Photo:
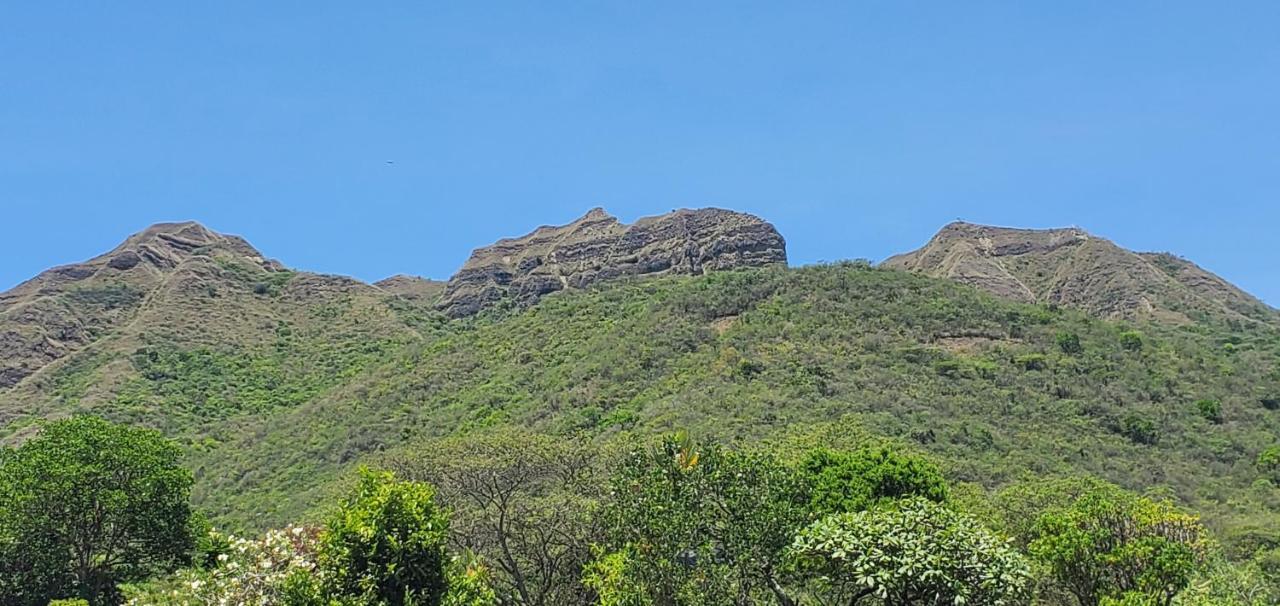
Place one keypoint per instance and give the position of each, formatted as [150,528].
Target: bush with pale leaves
[269,570]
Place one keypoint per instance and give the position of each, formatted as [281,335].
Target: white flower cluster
[251,573]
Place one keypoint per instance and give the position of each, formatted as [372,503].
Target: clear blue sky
[858,128]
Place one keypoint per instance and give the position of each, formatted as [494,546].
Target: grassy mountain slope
[986,384]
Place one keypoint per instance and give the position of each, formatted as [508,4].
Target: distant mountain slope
[1072,267]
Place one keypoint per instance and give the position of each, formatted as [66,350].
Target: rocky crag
[1072,267]
[598,247]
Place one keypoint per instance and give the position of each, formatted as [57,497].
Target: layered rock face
[598,247]
[1072,267]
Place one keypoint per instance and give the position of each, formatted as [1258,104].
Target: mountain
[76,337]
[1072,267]
[279,382]
[67,308]
[598,247]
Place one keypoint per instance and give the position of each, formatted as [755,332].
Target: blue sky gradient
[858,128]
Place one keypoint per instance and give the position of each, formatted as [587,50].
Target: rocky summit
[598,247]
[1069,266]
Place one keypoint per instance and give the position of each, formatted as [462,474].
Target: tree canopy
[88,504]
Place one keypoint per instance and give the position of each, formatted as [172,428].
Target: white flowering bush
[279,568]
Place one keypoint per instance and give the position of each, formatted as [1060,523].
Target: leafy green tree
[1105,542]
[88,504]
[700,526]
[386,543]
[913,552]
[842,481]
[1269,463]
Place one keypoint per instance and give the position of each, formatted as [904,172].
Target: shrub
[279,568]
[1032,362]
[1140,430]
[1268,463]
[1069,343]
[1106,542]
[386,542]
[948,368]
[1210,409]
[1131,340]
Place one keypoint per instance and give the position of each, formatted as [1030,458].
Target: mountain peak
[598,247]
[1071,267]
[166,245]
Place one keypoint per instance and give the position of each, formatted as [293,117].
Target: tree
[525,502]
[1102,541]
[88,504]
[1069,343]
[386,544]
[914,552]
[1269,463]
[853,481]
[700,526]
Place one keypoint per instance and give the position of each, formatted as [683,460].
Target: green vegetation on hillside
[984,384]
[995,391]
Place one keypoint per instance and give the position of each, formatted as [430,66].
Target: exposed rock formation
[1071,267]
[598,247]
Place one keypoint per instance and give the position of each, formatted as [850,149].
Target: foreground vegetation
[99,511]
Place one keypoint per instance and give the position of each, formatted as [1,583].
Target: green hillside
[997,390]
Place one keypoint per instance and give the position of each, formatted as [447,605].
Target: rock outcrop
[598,247]
[1074,268]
